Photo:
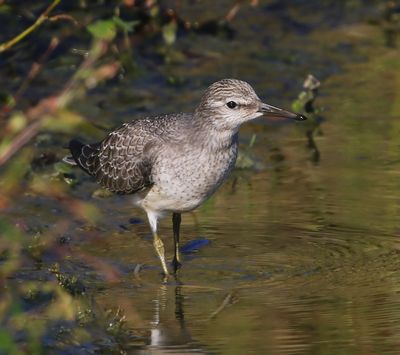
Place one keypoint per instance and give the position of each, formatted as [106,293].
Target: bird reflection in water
[169,333]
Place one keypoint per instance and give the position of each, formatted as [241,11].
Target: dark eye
[231,104]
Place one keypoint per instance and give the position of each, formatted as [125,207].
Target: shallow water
[302,256]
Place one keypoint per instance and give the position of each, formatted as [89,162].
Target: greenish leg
[159,246]
[157,242]
[176,223]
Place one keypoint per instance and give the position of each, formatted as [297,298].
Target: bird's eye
[231,104]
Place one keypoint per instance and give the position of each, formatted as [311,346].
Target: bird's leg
[157,242]
[176,223]
[159,246]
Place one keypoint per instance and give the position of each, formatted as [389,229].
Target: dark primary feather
[83,153]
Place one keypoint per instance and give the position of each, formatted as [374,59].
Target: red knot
[173,163]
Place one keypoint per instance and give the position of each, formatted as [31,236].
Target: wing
[120,162]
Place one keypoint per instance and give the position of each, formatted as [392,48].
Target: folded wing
[120,162]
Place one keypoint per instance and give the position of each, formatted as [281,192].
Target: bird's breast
[185,178]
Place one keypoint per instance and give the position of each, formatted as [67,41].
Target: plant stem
[42,18]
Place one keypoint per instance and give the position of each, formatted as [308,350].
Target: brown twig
[236,7]
[42,18]
[87,63]
[50,105]
[25,136]
[64,17]
[233,11]
[228,300]
[33,72]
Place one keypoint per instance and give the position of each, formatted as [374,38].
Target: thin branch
[26,135]
[33,72]
[50,105]
[228,300]
[233,11]
[66,17]
[236,7]
[42,18]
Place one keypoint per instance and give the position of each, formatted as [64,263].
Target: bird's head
[229,102]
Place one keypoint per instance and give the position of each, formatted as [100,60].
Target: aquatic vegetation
[305,103]
[391,23]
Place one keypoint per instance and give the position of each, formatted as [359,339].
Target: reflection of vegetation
[391,22]
[305,104]
[245,160]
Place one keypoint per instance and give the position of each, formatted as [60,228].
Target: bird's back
[122,162]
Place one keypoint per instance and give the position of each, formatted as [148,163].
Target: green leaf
[5,9]
[125,26]
[169,32]
[103,29]
[17,122]
[62,168]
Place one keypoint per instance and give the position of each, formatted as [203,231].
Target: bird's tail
[83,155]
[68,159]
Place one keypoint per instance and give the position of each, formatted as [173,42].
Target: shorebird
[172,163]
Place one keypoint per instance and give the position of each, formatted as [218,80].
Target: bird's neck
[221,140]
[214,136]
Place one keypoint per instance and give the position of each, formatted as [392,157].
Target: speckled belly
[183,184]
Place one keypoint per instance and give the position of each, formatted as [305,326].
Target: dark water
[301,257]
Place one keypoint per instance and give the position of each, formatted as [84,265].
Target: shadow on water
[298,252]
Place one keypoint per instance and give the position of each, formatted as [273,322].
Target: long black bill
[273,112]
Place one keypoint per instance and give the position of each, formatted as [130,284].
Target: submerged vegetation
[67,69]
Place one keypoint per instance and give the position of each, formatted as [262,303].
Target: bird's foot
[176,264]
[165,278]
[165,273]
